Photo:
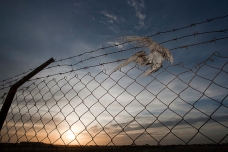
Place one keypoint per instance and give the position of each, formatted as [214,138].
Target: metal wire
[14,78]
[176,106]
[9,84]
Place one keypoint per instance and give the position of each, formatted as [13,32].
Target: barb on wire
[8,84]
[195,34]
[116,45]
[194,44]
[181,47]
[158,33]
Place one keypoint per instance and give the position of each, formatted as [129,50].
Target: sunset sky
[76,107]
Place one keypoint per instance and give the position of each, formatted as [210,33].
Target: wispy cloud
[111,17]
[109,20]
[138,6]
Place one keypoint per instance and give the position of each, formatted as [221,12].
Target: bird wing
[142,41]
[133,58]
[152,45]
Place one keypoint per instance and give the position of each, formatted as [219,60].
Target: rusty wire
[102,106]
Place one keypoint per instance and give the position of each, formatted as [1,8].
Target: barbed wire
[158,33]
[121,51]
[195,34]
[120,44]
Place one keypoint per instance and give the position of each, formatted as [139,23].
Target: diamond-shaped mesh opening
[156,107]
[145,118]
[206,105]
[134,108]
[169,118]
[220,115]
[172,140]
[190,95]
[114,108]
[90,100]
[158,131]
[116,90]
[92,85]
[216,92]
[199,83]
[167,96]
[87,118]
[104,118]
[174,106]
[155,87]
[133,130]
[142,97]
[102,138]
[210,130]
[136,73]
[185,131]
[196,118]
[165,77]
[177,85]
[125,81]
[100,78]
[186,76]
[108,83]
[125,98]
[134,88]
[99,92]
[81,109]
[97,109]
[123,118]
[180,107]
[208,72]
[71,94]
[106,100]
[122,139]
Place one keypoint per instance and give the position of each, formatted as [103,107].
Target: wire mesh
[177,106]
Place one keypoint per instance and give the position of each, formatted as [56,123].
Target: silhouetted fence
[178,105]
[175,109]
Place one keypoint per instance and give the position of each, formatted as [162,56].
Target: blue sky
[34,31]
[31,32]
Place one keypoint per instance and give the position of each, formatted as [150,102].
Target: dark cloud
[115,128]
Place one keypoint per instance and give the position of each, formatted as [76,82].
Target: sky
[31,32]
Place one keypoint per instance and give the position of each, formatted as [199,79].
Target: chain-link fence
[81,107]
[185,108]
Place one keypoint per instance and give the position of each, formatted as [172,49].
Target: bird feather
[154,59]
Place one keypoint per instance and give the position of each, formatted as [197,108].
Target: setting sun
[71,136]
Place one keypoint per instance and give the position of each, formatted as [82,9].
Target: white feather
[154,59]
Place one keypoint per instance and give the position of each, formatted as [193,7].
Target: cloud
[111,17]
[109,20]
[158,131]
[138,6]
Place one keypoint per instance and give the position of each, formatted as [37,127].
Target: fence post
[13,90]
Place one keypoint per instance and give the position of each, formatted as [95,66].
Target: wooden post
[13,90]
